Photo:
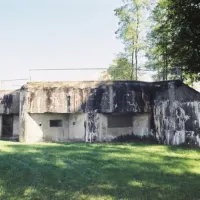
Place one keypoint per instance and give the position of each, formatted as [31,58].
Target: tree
[175,38]
[120,69]
[160,41]
[185,49]
[131,30]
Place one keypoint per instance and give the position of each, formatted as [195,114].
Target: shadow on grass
[97,171]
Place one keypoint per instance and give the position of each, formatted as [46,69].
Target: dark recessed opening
[56,123]
[119,121]
[7,125]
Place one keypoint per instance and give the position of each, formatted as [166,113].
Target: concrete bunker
[102,111]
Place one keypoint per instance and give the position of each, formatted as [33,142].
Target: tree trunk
[163,71]
[132,65]
[136,65]
[166,63]
[137,38]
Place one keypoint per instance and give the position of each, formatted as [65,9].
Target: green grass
[98,171]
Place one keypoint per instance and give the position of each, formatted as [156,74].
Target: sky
[56,34]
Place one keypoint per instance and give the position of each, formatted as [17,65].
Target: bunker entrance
[7,125]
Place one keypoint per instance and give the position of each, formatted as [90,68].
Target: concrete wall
[117,126]
[41,124]
[177,123]
[92,99]
[37,128]
[142,124]
[16,125]
[177,116]
[73,97]
[79,127]
[103,128]
[9,102]
[77,131]
[23,116]
[68,98]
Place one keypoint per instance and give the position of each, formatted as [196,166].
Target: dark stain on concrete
[7,102]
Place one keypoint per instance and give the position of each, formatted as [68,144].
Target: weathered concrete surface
[23,117]
[75,127]
[77,130]
[177,115]
[39,126]
[92,99]
[15,125]
[142,124]
[169,111]
[9,102]
[103,97]
[79,127]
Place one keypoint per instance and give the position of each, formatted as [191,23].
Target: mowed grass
[98,171]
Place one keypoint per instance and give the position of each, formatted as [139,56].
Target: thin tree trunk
[166,64]
[164,60]
[132,65]
[136,64]
[136,48]
[163,71]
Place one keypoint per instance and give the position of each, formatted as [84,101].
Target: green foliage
[131,23]
[131,26]
[160,41]
[98,171]
[175,38]
[185,18]
[121,69]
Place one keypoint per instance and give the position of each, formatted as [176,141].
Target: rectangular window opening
[7,125]
[119,121]
[56,123]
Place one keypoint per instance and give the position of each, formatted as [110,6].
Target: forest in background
[160,36]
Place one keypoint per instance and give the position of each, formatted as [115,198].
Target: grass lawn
[98,171]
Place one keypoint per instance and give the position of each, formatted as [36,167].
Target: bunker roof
[91,84]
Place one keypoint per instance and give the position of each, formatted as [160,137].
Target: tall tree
[185,49]
[131,29]
[177,32]
[160,41]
